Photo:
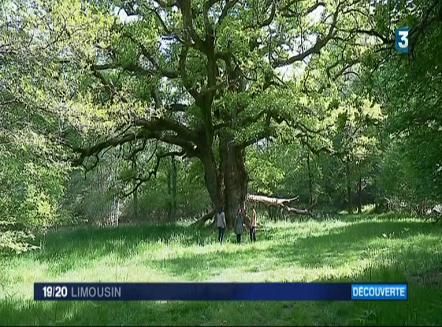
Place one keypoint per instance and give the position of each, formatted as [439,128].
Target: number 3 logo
[401,39]
[404,39]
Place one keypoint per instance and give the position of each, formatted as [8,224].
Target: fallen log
[434,213]
[279,202]
[204,218]
[267,200]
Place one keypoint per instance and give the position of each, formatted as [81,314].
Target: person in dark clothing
[239,225]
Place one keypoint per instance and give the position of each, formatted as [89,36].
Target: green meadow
[368,249]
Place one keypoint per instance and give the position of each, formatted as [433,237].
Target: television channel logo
[401,39]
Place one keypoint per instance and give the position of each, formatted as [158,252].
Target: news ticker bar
[218,291]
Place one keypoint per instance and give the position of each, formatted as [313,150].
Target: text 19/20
[57,291]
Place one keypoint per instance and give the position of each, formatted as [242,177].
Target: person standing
[239,225]
[253,224]
[220,220]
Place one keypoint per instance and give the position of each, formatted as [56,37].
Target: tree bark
[212,178]
[233,172]
[226,182]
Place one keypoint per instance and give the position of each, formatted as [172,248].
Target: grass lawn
[356,249]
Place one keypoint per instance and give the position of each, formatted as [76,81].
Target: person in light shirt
[220,221]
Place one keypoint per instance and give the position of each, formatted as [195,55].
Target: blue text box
[192,291]
[379,291]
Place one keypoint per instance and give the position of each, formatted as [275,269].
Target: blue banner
[194,291]
[379,291]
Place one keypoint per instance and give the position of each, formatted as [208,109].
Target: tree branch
[229,5]
[268,131]
[189,30]
[163,124]
[182,66]
[112,142]
[148,56]
[137,150]
[166,3]
[153,172]
[315,6]
[166,29]
[151,129]
[320,43]
[384,39]
[269,20]
[416,31]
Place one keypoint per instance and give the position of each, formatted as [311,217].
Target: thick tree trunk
[234,176]
[212,178]
[226,183]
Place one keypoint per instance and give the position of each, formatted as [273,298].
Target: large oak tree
[204,77]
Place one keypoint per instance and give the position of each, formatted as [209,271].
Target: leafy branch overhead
[215,66]
[202,79]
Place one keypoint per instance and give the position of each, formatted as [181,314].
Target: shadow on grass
[341,246]
[348,243]
[64,250]
[422,308]
[337,247]
[387,216]
[96,313]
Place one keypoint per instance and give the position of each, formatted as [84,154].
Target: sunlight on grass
[353,249]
